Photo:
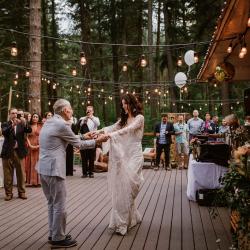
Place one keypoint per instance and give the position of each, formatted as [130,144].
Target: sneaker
[8,197]
[63,243]
[22,196]
[67,237]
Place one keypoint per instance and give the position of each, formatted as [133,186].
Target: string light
[143,61]
[230,48]
[241,55]
[54,86]
[185,89]
[244,48]
[99,96]
[15,82]
[82,103]
[88,102]
[215,108]
[105,102]
[215,85]
[232,107]
[127,92]
[16,75]
[89,89]
[83,60]
[74,72]
[156,90]
[48,81]
[49,103]
[167,92]
[196,57]
[17,95]
[147,92]
[13,50]
[102,90]
[125,67]
[248,22]
[179,61]
[27,73]
[122,91]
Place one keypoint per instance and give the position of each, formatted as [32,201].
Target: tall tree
[35,56]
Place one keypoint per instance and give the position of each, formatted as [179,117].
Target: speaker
[247,101]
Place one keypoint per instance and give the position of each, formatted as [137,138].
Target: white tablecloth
[1,164]
[203,175]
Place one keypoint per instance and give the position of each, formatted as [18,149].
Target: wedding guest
[101,161]
[181,132]
[163,132]
[215,124]
[86,124]
[70,149]
[47,116]
[125,165]
[194,125]
[54,138]
[27,116]
[32,178]
[13,153]
[206,125]
[223,129]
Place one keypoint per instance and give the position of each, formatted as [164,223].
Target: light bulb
[13,50]
[74,72]
[196,57]
[89,89]
[15,82]
[122,91]
[179,61]
[230,48]
[143,61]
[83,60]
[27,73]
[125,67]
[244,49]
[241,54]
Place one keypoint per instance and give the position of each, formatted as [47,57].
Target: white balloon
[189,57]
[180,79]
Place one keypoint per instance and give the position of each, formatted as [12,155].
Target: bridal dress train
[125,173]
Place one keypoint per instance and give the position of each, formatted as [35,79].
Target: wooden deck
[170,221]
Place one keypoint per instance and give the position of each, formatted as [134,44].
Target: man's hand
[89,135]
[102,138]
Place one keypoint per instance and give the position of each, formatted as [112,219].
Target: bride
[125,165]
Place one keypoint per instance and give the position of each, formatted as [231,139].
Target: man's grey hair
[59,105]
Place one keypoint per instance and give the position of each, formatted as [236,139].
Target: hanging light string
[110,94]
[117,44]
[59,76]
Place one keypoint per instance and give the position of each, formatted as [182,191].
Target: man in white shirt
[88,123]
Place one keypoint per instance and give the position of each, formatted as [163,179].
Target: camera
[19,116]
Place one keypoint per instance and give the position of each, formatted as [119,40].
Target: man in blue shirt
[163,132]
[194,125]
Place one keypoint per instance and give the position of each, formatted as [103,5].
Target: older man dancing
[55,135]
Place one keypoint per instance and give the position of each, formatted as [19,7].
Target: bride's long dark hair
[134,106]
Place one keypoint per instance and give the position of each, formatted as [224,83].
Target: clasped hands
[97,136]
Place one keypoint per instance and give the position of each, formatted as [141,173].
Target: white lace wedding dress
[125,173]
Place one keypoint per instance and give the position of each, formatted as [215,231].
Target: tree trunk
[45,87]
[169,60]
[35,56]
[115,57]
[85,37]
[54,51]
[154,106]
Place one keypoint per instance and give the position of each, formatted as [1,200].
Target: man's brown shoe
[22,196]
[8,197]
